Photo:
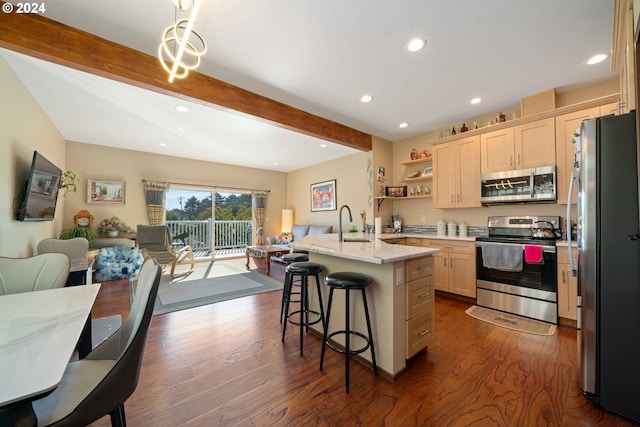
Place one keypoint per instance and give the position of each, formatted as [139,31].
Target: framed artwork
[323,196]
[104,191]
[427,171]
[381,175]
[400,191]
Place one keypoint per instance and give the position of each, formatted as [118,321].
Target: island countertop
[374,250]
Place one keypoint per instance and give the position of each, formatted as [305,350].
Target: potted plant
[83,221]
[79,231]
[69,182]
[113,226]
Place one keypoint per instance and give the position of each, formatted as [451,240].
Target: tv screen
[41,191]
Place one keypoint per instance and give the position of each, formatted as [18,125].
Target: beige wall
[97,162]
[353,188]
[23,128]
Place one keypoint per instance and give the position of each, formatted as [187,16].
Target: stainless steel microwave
[519,186]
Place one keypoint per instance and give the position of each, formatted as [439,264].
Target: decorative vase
[112,233]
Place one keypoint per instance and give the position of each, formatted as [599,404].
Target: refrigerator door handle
[633,237]
[572,264]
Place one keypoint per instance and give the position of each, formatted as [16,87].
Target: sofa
[298,231]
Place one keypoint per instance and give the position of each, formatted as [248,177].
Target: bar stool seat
[287,290]
[348,281]
[302,270]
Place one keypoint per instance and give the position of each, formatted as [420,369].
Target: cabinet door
[535,144]
[467,158]
[609,109]
[462,274]
[441,271]
[496,151]
[566,125]
[567,293]
[443,176]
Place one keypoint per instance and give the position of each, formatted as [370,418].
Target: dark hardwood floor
[224,365]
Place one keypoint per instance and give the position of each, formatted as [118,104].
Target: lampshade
[287,220]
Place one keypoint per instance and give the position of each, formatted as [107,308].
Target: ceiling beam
[52,41]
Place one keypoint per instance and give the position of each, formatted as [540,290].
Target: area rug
[209,283]
[511,321]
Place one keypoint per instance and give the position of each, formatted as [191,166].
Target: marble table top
[38,334]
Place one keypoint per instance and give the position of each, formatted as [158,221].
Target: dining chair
[101,383]
[36,273]
[155,242]
[75,248]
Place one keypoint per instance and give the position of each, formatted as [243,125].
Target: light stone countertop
[564,243]
[373,251]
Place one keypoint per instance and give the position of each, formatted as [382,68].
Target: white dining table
[38,334]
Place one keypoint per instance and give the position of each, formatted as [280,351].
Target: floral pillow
[284,238]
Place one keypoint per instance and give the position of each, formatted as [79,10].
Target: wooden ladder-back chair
[155,242]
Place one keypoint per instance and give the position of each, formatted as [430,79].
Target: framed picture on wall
[323,196]
[105,191]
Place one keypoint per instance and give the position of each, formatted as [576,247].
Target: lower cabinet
[419,310]
[567,285]
[454,266]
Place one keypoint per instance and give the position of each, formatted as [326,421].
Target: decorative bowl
[112,233]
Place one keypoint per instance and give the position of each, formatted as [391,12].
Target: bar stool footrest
[344,350]
[304,323]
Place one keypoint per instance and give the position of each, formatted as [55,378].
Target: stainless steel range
[516,266]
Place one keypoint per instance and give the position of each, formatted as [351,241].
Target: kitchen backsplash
[431,229]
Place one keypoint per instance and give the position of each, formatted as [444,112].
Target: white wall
[23,128]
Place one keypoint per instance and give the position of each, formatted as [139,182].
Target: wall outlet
[422,219]
[399,276]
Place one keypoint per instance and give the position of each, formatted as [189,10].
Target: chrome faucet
[340,221]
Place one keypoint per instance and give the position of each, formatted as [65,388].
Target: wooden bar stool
[348,282]
[302,270]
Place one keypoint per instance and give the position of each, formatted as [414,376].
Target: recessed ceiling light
[182,108]
[597,59]
[323,145]
[275,163]
[403,125]
[476,100]
[366,98]
[162,144]
[416,44]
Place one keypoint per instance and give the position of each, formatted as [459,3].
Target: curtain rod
[208,186]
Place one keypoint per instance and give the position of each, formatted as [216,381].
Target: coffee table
[266,252]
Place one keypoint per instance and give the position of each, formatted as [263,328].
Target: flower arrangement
[114,224]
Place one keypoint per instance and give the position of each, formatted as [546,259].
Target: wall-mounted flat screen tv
[41,191]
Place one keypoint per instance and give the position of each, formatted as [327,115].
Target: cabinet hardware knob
[423,333]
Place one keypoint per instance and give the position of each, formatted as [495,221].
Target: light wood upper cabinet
[520,147]
[608,109]
[566,125]
[456,174]
[497,151]
[535,144]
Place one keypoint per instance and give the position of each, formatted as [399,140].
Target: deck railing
[228,234]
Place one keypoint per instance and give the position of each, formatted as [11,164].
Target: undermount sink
[356,239]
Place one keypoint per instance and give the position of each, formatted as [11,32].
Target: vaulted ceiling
[316,58]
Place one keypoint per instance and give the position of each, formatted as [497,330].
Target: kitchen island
[399,273]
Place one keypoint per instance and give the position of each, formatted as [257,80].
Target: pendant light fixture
[177,54]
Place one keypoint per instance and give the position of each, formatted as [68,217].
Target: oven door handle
[547,249]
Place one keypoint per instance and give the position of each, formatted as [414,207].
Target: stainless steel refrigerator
[608,265]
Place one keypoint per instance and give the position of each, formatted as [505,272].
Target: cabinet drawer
[417,268]
[419,332]
[563,254]
[419,296]
[454,246]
